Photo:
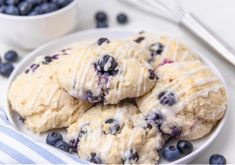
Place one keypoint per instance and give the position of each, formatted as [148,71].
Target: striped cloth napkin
[15,147]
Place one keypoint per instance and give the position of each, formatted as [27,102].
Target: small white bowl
[200,145]
[28,32]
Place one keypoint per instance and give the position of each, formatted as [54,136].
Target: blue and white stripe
[15,147]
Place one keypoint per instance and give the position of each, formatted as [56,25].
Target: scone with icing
[107,71]
[37,97]
[189,100]
[115,134]
[162,49]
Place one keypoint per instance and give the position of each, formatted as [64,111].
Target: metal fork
[175,11]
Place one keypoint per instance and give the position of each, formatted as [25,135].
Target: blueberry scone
[188,98]
[37,97]
[162,49]
[107,71]
[115,134]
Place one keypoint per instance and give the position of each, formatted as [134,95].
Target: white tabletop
[216,13]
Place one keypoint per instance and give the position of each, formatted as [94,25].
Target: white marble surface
[216,13]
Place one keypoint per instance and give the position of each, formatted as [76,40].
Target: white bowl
[199,145]
[28,32]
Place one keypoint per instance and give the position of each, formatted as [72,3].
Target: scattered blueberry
[156,49]
[113,126]
[217,159]
[83,131]
[171,153]
[103,40]
[130,157]
[62,145]
[11,10]
[2,8]
[167,98]
[107,65]
[6,69]
[185,147]
[155,118]
[73,144]
[152,75]
[94,159]
[53,137]
[139,39]
[101,16]
[122,18]
[11,56]
[101,25]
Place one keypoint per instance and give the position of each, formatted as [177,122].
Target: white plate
[199,145]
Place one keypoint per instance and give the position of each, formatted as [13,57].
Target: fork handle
[210,37]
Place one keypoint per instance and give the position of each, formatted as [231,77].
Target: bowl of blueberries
[26,24]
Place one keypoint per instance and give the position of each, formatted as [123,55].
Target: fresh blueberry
[101,25]
[130,157]
[122,18]
[184,147]
[171,153]
[11,56]
[34,2]
[113,127]
[12,2]
[217,159]
[2,2]
[94,159]
[25,7]
[62,145]
[2,8]
[33,13]
[53,137]
[62,3]
[139,39]
[156,49]
[11,10]
[45,8]
[52,7]
[6,69]
[107,65]
[92,98]
[103,40]
[73,144]
[101,16]
[167,98]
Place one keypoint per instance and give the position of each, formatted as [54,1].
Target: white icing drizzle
[140,82]
[51,95]
[184,55]
[176,51]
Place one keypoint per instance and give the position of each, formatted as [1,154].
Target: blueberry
[171,153]
[62,145]
[44,8]
[2,9]
[130,157]
[34,2]
[2,2]
[11,56]
[122,18]
[101,16]
[101,25]
[107,65]
[73,144]
[94,159]
[62,3]
[12,2]
[83,131]
[25,7]
[33,13]
[167,98]
[47,60]
[53,137]
[152,75]
[92,98]
[6,69]
[184,147]
[154,118]
[103,40]
[11,10]
[156,49]
[139,39]
[176,131]
[217,159]
[112,127]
